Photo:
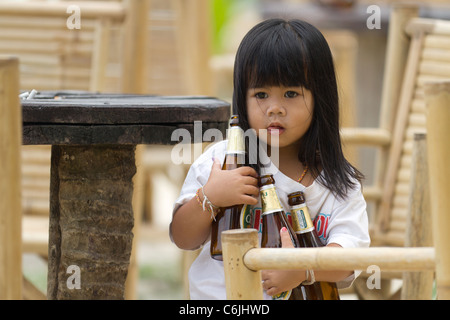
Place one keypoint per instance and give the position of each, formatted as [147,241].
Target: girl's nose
[276,108]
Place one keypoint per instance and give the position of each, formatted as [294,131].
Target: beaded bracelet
[309,274]
[206,204]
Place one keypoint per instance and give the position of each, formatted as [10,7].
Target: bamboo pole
[326,258]
[135,56]
[366,136]
[401,120]
[88,9]
[419,285]
[10,198]
[241,282]
[437,97]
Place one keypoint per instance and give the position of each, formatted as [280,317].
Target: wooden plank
[10,199]
[120,109]
[122,134]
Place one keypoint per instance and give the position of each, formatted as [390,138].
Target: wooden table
[93,138]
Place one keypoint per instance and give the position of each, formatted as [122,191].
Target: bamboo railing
[243,260]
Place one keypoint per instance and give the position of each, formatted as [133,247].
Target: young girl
[285,90]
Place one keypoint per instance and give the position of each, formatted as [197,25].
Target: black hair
[295,53]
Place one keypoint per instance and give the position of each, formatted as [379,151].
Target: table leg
[91,221]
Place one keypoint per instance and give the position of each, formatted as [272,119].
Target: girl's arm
[278,281]
[191,225]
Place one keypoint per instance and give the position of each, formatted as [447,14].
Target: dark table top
[92,118]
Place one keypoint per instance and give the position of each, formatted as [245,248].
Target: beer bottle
[307,237]
[273,219]
[229,217]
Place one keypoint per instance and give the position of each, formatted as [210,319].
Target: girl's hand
[278,281]
[226,188]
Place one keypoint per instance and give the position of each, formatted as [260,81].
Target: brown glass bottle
[273,219]
[307,237]
[229,217]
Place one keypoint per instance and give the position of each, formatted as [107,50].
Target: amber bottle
[273,219]
[229,217]
[307,237]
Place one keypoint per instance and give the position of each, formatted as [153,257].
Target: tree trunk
[91,221]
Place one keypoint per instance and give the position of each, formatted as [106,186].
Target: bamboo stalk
[10,199]
[366,136]
[437,97]
[135,57]
[386,258]
[241,282]
[396,60]
[88,8]
[418,285]
[395,150]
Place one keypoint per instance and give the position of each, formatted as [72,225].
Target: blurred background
[173,47]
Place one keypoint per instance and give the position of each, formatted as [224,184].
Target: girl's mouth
[275,129]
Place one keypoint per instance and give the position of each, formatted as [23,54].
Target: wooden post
[10,181]
[241,282]
[437,97]
[419,285]
[135,56]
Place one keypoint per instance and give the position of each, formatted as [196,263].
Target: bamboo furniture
[243,260]
[417,52]
[403,113]
[103,54]
[242,257]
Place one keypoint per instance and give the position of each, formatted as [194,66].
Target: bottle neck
[235,140]
[269,198]
[301,219]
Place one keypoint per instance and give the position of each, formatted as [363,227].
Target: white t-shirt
[338,221]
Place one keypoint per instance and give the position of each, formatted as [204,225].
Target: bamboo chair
[54,56]
[427,42]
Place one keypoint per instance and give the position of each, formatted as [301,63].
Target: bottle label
[301,219]
[246,217]
[282,296]
[270,200]
[235,141]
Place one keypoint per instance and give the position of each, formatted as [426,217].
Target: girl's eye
[261,95]
[290,94]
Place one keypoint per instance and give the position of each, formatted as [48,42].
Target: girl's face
[284,112]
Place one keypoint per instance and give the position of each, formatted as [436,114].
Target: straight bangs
[278,58]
